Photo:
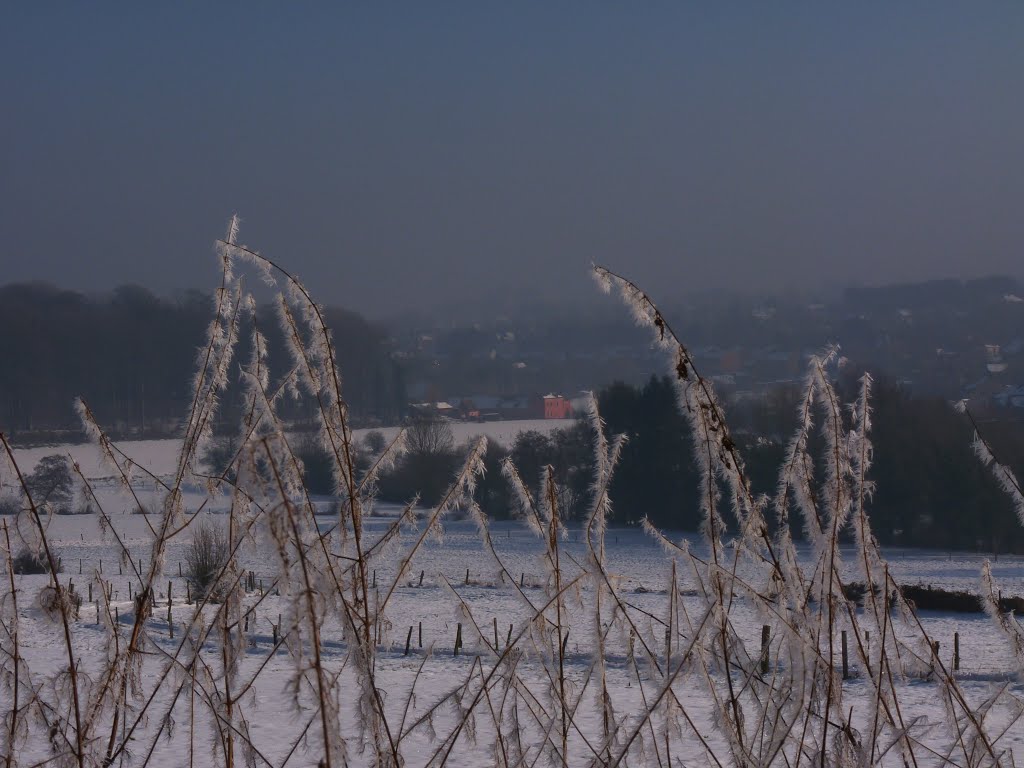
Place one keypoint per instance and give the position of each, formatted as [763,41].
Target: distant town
[492,408]
[954,339]
[959,340]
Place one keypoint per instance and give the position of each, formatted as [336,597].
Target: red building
[557,407]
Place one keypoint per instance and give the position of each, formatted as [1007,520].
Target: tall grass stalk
[590,673]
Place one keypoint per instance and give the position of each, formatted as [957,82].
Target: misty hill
[131,355]
[935,337]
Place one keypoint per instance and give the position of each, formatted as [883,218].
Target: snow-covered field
[640,565]
[459,584]
[434,605]
[160,456]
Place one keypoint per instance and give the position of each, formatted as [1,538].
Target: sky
[411,156]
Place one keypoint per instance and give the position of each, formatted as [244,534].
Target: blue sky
[410,155]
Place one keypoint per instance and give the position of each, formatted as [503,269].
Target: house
[557,407]
[438,409]
[491,408]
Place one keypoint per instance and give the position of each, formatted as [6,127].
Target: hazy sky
[411,154]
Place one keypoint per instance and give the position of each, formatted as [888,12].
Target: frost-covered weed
[542,694]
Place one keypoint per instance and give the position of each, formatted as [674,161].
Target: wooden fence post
[846,663]
[766,632]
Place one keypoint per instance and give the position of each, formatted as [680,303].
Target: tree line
[931,490]
[130,354]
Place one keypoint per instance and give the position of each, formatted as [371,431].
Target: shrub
[427,466]
[9,505]
[50,482]
[375,442]
[219,454]
[205,557]
[27,562]
[317,466]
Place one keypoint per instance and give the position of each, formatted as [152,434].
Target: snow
[503,432]
[436,602]
[160,456]
[641,567]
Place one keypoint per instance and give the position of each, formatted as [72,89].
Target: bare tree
[429,436]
